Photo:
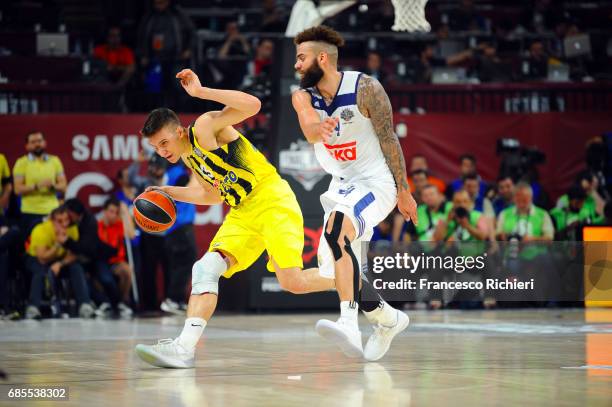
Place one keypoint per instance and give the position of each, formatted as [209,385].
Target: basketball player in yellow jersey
[264,212]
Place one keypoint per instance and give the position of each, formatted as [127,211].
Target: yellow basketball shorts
[270,219]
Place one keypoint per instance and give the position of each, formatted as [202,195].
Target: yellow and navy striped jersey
[234,169]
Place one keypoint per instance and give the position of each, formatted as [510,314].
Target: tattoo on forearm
[373,102]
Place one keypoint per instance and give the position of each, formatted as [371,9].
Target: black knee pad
[332,237]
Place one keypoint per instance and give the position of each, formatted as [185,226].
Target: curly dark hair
[321,33]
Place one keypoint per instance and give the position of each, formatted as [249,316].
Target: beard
[38,151]
[312,75]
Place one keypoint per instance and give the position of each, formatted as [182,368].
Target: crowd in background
[58,259]
[513,208]
[144,44]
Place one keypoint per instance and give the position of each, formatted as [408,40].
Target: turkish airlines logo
[343,152]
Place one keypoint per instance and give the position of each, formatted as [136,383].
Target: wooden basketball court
[530,357]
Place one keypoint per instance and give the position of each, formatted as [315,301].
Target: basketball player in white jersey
[349,119]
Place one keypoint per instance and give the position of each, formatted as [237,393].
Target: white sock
[385,315]
[349,310]
[191,333]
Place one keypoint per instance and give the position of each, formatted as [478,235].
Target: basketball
[154,211]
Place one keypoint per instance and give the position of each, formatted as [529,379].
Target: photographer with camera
[569,219]
[463,223]
[465,230]
[593,201]
[524,220]
[526,227]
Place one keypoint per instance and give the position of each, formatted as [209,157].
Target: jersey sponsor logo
[343,152]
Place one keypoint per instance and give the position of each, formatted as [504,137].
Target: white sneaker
[171,307]
[125,311]
[104,310]
[86,311]
[32,312]
[167,353]
[343,333]
[379,342]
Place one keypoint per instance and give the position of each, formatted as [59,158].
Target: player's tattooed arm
[373,102]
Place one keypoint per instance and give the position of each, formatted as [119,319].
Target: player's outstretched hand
[407,206]
[189,81]
[327,127]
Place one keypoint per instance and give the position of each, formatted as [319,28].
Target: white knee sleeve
[206,272]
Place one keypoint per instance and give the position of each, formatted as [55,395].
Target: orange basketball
[154,211]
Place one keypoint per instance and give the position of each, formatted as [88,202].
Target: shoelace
[165,344]
[380,330]
[170,345]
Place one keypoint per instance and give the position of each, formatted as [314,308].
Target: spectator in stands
[433,210]
[6,184]
[567,220]
[381,237]
[88,248]
[38,178]
[489,67]
[47,252]
[555,45]
[471,183]
[113,227]
[374,67]
[233,55]
[594,203]
[466,18]
[125,191]
[8,235]
[505,194]
[10,238]
[524,219]
[166,38]
[422,67]
[419,162]
[261,64]
[118,57]
[152,251]
[419,180]
[536,63]
[156,170]
[467,166]
[179,246]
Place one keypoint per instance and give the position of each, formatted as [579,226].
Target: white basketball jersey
[353,152]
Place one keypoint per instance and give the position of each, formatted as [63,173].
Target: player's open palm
[407,206]
[189,81]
